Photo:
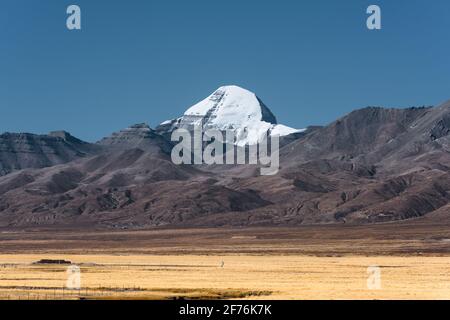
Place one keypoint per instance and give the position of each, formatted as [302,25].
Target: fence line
[64,293]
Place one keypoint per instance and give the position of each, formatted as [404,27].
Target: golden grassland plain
[264,263]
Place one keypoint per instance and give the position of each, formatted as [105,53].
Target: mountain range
[374,165]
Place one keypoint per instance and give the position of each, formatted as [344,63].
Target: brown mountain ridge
[373,165]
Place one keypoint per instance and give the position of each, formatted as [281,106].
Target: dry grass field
[265,263]
[242,276]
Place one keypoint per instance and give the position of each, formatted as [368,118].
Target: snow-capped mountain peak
[232,104]
[232,108]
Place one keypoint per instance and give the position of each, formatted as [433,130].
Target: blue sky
[147,61]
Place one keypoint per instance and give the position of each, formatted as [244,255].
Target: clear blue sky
[147,61]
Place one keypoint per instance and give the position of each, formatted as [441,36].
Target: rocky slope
[373,165]
[137,136]
[25,150]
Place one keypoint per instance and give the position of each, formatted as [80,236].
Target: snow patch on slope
[282,130]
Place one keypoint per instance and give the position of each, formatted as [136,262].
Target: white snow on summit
[234,108]
[228,101]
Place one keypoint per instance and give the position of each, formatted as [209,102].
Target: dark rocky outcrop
[24,150]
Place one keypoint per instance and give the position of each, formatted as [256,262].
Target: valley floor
[323,262]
